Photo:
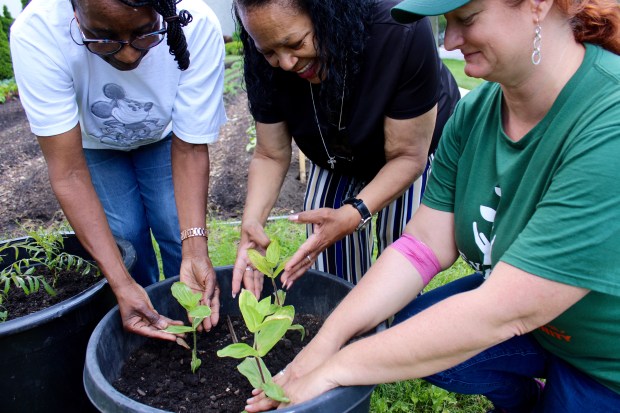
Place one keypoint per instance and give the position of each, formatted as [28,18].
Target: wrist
[195,247]
[362,209]
[194,232]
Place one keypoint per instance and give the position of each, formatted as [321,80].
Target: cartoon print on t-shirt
[127,120]
[484,241]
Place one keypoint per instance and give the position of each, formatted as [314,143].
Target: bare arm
[268,168]
[445,334]
[390,284]
[406,150]
[190,173]
[71,183]
[459,327]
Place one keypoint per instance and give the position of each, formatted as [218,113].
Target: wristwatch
[362,209]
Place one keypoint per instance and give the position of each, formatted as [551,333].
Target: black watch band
[362,209]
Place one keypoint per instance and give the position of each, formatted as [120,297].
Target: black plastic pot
[109,346]
[42,354]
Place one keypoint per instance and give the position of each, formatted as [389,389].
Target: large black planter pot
[42,354]
[109,346]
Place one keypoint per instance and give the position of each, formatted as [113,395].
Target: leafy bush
[8,88]
[234,48]
[6,19]
[233,78]
[6,67]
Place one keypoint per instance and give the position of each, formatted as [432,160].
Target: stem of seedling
[260,370]
[231,329]
[275,292]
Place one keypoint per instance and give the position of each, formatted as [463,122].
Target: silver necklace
[331,160]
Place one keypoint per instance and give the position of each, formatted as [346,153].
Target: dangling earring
[536,56]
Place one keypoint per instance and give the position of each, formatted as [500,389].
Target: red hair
[594,21]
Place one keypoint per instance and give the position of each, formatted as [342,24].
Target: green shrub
[234,48]
[6,19]
[6,67]
[8,88]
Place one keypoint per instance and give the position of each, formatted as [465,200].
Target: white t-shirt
[61,83]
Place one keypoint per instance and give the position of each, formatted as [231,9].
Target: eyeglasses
[106,47]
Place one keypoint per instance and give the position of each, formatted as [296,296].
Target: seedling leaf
[280,268]
[260,262]
[248,305]
[174,329]
[273,253]
[300,328]
[185,296]
[237,351]
[249,369]
[196,362]
[281,296]
[275,392]
[265,308]
[202,311]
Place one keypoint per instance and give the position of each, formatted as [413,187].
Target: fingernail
[293,217]
[234,295]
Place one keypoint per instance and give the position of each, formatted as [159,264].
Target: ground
[26,196]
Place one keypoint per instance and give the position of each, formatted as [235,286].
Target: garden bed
[26,196]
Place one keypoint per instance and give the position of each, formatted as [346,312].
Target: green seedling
[43,248]
[268,322]
[271,264]
[190,301]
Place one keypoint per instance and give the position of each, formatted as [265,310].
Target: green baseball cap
[411,10]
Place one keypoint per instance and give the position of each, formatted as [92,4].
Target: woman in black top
[326,74]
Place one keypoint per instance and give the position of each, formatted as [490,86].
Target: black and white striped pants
[351,257]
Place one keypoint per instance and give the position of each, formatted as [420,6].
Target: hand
[329,226]
[139,316]
[198,273]
[252,237]
[317,352]
[297,390]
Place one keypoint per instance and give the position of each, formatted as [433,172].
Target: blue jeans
[137,194]
[505,373]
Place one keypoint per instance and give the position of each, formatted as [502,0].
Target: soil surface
[27,199]
[158,374]
[68,284]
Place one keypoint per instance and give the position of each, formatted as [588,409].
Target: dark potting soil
[158,374]
[68,284]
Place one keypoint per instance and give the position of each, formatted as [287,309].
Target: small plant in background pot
[268,322]
[191,302]
[44,249]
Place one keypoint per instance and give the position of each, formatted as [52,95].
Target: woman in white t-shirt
[119,119]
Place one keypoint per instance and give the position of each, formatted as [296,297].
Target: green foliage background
[6,66]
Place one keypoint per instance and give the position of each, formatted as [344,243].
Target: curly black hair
[341,31]
[175,23]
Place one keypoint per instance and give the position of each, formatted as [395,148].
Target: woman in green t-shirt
[525,189]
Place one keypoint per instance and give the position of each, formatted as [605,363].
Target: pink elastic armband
[419,255]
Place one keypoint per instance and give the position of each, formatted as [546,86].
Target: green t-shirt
[548,204]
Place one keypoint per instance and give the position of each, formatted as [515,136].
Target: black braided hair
[341,29]
[174,33]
